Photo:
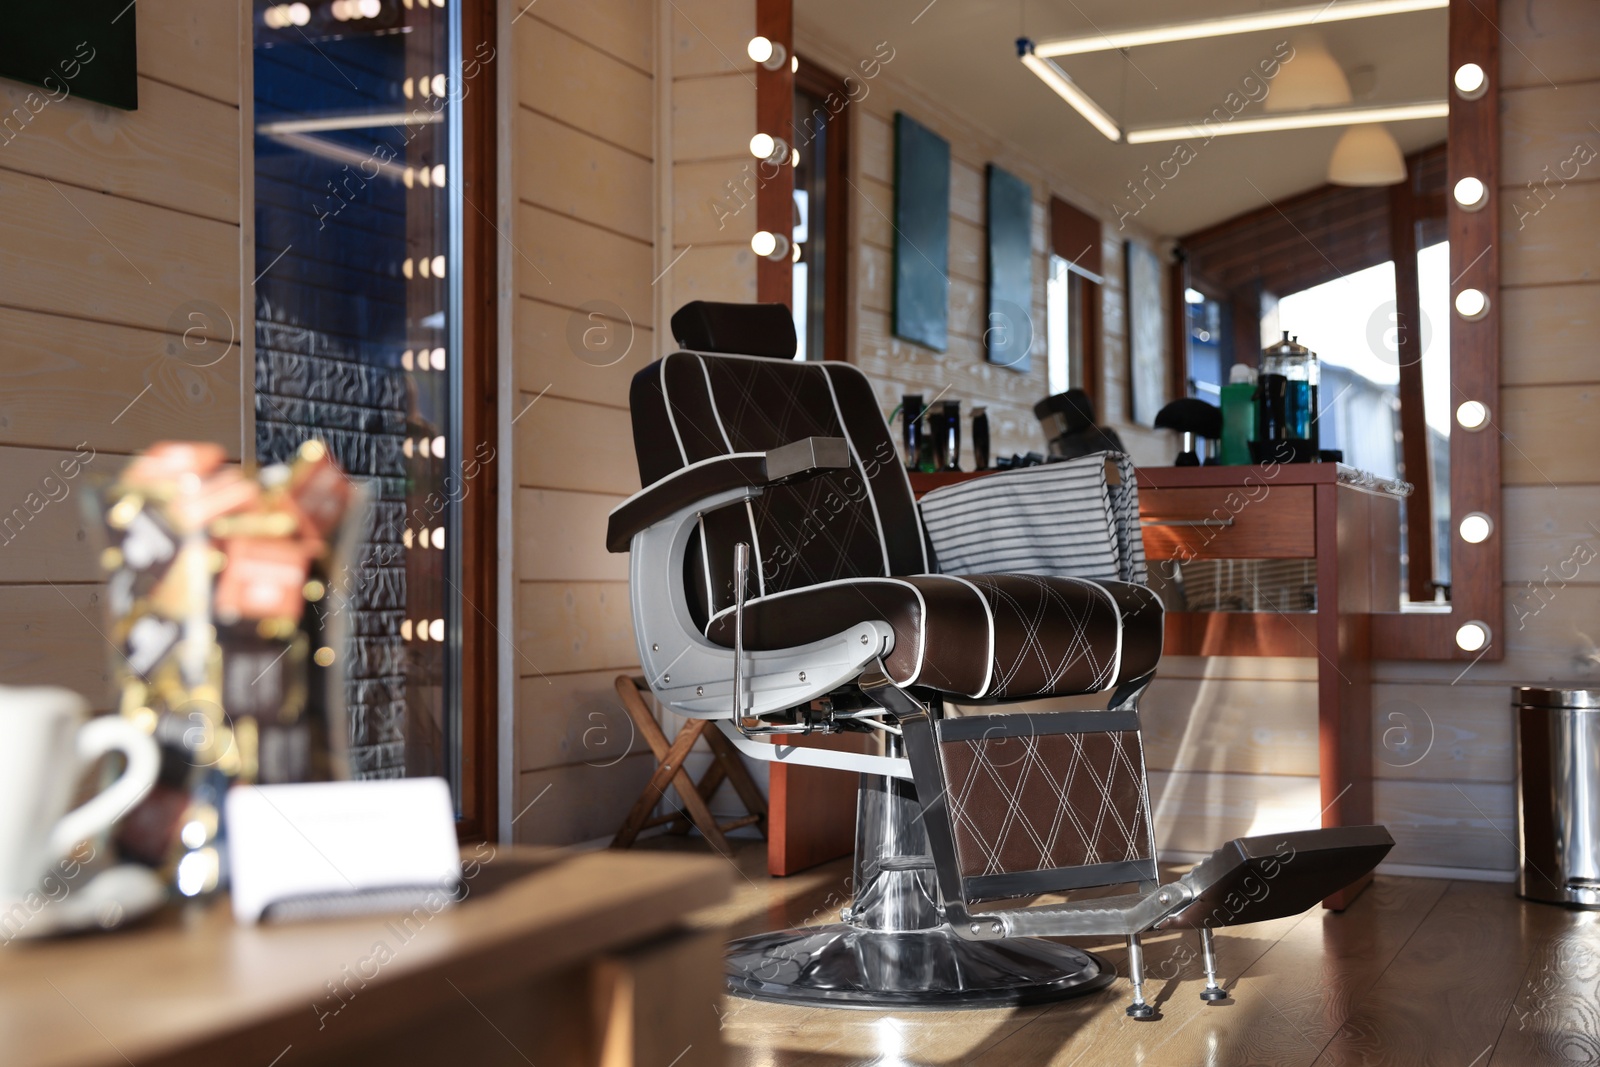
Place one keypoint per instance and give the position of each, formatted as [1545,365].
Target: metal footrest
[1252,879]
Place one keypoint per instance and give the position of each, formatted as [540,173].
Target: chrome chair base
[844,966]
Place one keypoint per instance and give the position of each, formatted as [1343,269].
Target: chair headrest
[736,329]
[1074,407]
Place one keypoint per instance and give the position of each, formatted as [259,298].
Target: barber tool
[220,596]
[911,420]
[944,429]
[1286,404]
[1197,421]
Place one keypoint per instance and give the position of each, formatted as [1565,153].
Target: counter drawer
[1262,521]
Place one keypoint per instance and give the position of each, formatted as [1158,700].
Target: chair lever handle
[741,565]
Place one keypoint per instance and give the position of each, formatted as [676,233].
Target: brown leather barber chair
[782,584]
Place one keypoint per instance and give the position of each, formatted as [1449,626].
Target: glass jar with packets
[229,637]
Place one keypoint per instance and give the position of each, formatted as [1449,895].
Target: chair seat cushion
[988,636]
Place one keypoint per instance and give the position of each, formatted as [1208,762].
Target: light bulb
[762,145]
[1471,304]
[773,246]
[1471,193]
[1470,80]
[1472,636]
[436,629]
[1476,527]
[299,14]
[797,252]
[770,54]
[794,64]
[1472,415]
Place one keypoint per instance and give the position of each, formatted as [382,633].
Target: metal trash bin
[1558,794]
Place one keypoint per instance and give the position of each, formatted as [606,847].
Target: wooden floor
[1454,974]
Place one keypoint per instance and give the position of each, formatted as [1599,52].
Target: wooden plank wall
[114,227]
[629,131]
[898,366]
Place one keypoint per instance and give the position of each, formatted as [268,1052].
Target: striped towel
[1078,519]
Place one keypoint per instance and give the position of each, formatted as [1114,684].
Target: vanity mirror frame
[1477,599]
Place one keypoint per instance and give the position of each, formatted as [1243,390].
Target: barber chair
[782,585]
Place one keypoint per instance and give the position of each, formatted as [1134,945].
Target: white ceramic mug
[47,741]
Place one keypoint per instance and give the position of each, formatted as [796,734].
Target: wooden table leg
[659,1005]
[1344,665]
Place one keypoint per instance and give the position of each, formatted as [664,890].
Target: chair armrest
[700,481]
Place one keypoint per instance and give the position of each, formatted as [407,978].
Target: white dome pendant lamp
[1367,155]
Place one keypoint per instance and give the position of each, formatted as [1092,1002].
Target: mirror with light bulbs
[1265,153]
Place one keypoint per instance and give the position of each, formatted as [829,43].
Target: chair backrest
[859,523]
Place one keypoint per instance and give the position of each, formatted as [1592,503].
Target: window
[1069,325]
[362,335]
[821,139]
[1206,370]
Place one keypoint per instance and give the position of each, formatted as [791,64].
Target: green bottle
[1238,414]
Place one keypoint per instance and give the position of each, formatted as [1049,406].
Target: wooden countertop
[195,987]
[1208,477]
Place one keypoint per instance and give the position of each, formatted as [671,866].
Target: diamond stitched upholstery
[999,636]
[1046,801]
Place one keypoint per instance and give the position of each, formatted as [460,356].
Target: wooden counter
[553,958]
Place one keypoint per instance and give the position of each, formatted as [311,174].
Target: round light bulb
[1472,304]
[796,252]
[1471,193]
[770,54]
[1476,527]
[794,64]
[762,146]
[794,158]
[1472,415]
[1470,81]
[773,246]
[1472,636]
[299,14]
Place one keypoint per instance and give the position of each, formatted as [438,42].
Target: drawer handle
[1209,523]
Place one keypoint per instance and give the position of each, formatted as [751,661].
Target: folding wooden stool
[696,797]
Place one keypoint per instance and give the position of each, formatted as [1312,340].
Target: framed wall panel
[921,234]
[1008,327]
